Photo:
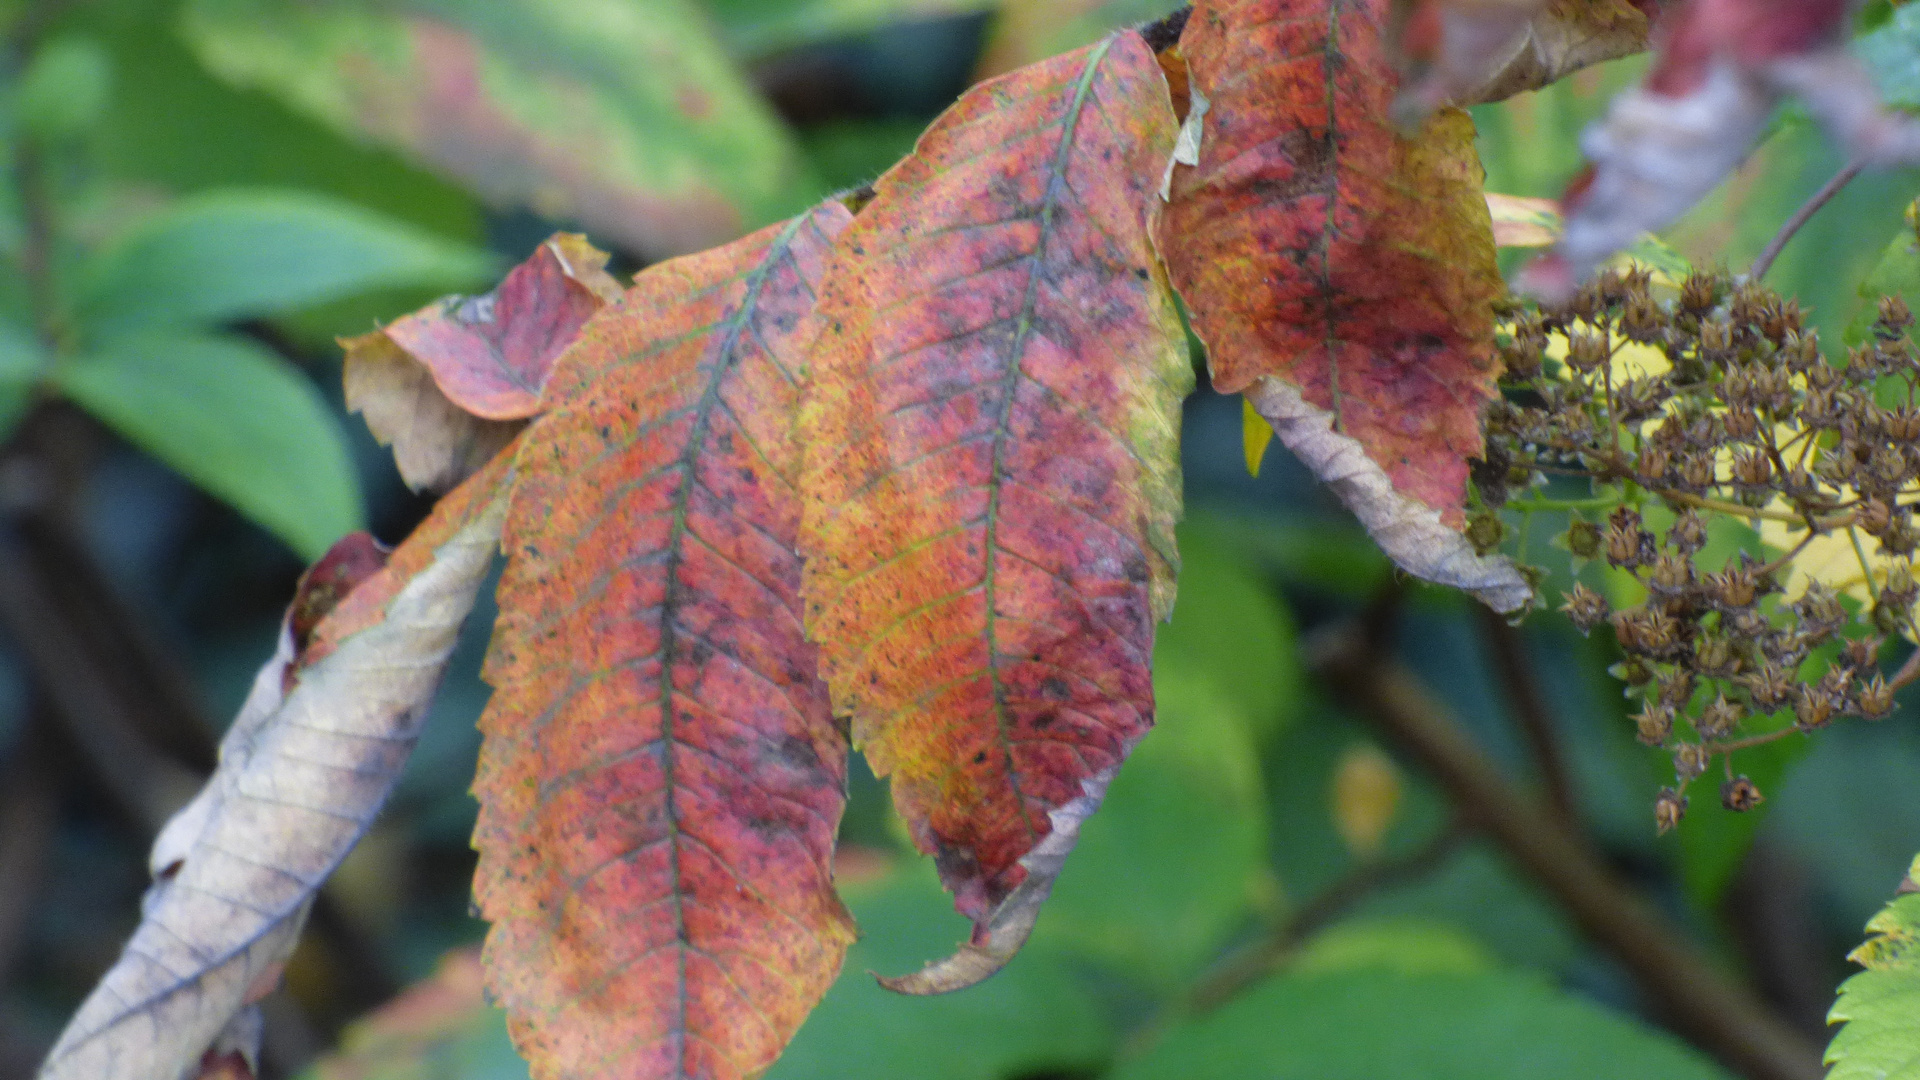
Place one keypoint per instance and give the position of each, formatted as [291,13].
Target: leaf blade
[661,777]
[990,484]
[233,418]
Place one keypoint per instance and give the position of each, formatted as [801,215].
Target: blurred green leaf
[441,1028]
[233,418]
[759,27]
[1036,1016]
[848,153]
[1228,624]
[221,256]
[65,88]
[1881,1005]
[1033,30]
[1892,56]
[1404,946]
[22,361]
[1382,1026]
[1175,860]
[624,115]
[1896,274]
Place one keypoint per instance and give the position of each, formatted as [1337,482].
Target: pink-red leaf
[991,479]
[1341,273]
[662,777]
[447,384]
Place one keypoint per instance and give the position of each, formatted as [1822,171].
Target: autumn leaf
[991,480]
[1340,274]
[624,115]
[662,777]
[303,771]
[1722,67]
[446,384]
[1465,52]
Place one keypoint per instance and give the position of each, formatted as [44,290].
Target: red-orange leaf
[991,433]
[1348,267]
[662,777]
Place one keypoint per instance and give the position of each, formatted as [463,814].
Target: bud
[1484,532]
[1668,808]
[1690,759]
[1585,608]
[1876,698]
[1740,795]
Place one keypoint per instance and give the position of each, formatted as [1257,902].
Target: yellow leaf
[1255,434]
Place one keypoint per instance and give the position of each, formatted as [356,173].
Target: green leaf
[22,361]
[1228,623]
[624,115]
[1383,1026]
[1892,56]
[64,90]
[759,27]
[228,255]
[1896,274]
[1404,946]
[235,419]
[1881,1005]
[1033,1018]
[1175,860]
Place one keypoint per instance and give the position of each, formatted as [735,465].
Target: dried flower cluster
[1718,402]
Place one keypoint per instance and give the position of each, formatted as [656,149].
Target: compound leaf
[990,479]
[662,777]
[1881,1039]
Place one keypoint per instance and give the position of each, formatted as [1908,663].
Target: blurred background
[196,198]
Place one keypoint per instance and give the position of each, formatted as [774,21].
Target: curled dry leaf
[1723,66]
[302,773]
[449,385]
[1341,274]
[1465,52]
[662,778]
[991,474]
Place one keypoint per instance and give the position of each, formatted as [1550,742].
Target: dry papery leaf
[304,769]
[452,383]
[1465,52]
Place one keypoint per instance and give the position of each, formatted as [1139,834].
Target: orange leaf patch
[662,778]
[1315,244]
[991,478]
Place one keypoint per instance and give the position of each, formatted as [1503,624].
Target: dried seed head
[1753,469]
[1861,653]
[1769,686]
[1642,320]
[1653,725]
[1875,699]
[1895,317]
[1740,795]
[1676,688]
[1668,808]
[1485,531]
[1671,574]
[1700,293]
[1586,351]
[1811,708]
[1715,656]
[1689,533]
[1690,760]
[1875,516]
[1734,588]
[1648,632]
[1742,422]
[1718,719]
[1585,608]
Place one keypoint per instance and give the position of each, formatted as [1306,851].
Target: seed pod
[1676,688]
[1485,531]
[1894,318]
[1811,709]
[1586,351]
[1668,808]
[1653,725]
[1583,538]
[1671,574]
[1697,471]
[1716,657]
[1740,795]
[1861,653]
[1653,465]
[1689,533]
[1875,516]
[1585,608]
[1718,719]
[1700,293]
[1875,699]
[1752,468]
[1742,422]
[1690,760]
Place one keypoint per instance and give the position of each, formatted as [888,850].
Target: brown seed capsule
[1903,424]
[1716,657]
[1875,516]
[1875,699]
[1718,719]
[1716,336]
[1740,795]
[1734,587]
[1648,632]
[1654,464]
[1586,351]
[1769,686]
[1894,316]
[1861,653]
[1668,808]
[1653,725]
[1690,760]
[1811,709]
[1699,293]
[1689,533]
[1484,532]
[1585,608]
[1642,320]
[1752,468]
[1676,688]
[1742,423]
[1671,574]
[1697,471]
[1623,547]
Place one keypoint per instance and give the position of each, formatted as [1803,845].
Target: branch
[1692,994]
[1800,217]
[1530,709]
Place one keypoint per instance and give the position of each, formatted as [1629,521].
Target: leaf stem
[1801,216]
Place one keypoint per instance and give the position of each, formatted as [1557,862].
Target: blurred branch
[1529,705]
[1801,216]
[29,807]
[1256,960]
[1684,985]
